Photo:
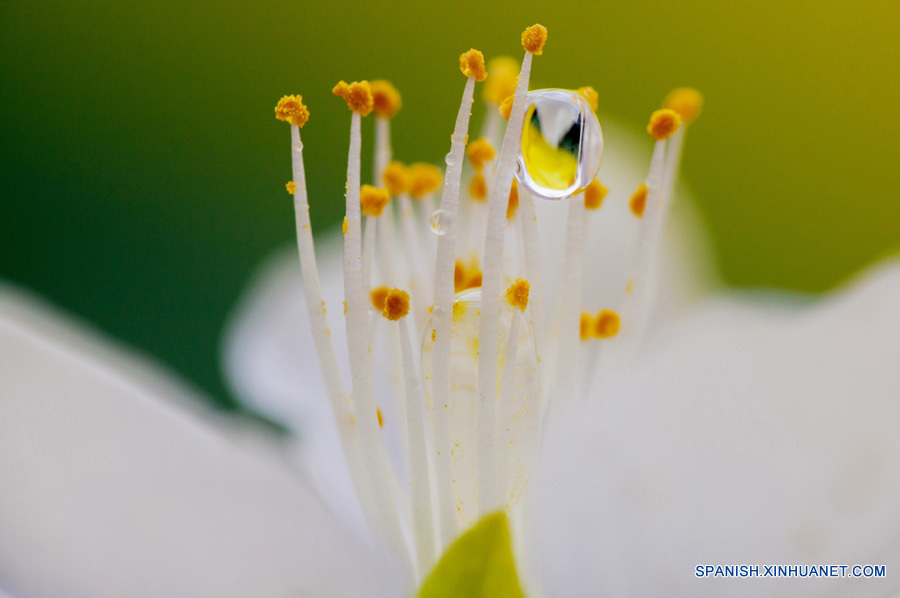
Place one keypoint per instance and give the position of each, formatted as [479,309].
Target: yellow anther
[506,106]
[396,178]
[513,204]
[534,38]
[607,324]
[501,82]
[344,226]
[590,94]
[478,187]
[594,195]
[291,109]
[517,294]
[480,152]
[686,101]
[424,179]
[378,295]
[663,123]
[291,187]
[471,64]
[638,201]
[586,326]
[358,96]
[386,97]
[373,199]
[465,278]
[380,417]
[396,304]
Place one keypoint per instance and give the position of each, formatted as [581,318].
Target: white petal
[108,489]
[751,434]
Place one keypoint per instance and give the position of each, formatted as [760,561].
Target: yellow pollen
[424,179]
[396,178]
[586,326]
[466,278]
[513,203]
[663,123]
[292,110]
[590,94]
[344,226]
[638,201]
[506,106]
[471,64]
[396,304]
[478,187]
[534,38]
[291,187]
[686,101]
[345,308]
[517,294]
[501,81]
[358,96]
[433,334]
[373,200]
[386,98]
[607,324]
[594,195]
[378,296]
[480,152]
[380,417]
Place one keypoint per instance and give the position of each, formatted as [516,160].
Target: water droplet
[562,144]
[440,222]
[450,159]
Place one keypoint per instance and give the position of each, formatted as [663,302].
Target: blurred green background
[143,172]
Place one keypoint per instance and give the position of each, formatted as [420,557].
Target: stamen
[478,187]
[377,507]
[398,178]
[291,187]
[501,82]
[385,486]
[291,109]
[606,325]
[513,202]
[372,202]
[443,306]
[506,106]
[648,203]
[686,101]
[590,94]
[531,251]
[638,201]
[533,40]
[480,152]
[378,295]
[395,308]
[386,99]
[594,195]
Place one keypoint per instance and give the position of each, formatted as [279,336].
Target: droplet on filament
[562,144]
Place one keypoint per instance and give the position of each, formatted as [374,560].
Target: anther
[291,109]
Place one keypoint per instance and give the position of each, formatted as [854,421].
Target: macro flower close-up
[525,361]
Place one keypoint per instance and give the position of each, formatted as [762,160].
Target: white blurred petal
[108,489]
[751,433]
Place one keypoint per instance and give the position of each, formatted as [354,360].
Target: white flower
[747,430]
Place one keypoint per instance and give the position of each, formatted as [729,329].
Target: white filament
[441,319]
[491,281]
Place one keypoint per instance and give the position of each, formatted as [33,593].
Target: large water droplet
[562,144]
[440,222]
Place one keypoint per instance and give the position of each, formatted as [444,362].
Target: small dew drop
[450,159]
[440,222]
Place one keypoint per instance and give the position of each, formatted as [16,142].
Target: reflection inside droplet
[562,144]
[440,222]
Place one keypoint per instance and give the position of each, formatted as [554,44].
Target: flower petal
[109,489]
[750,434]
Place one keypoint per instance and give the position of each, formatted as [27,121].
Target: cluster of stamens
[491,367]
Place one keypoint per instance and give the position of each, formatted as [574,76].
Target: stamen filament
[532,252]
[568,348]
[441,321]
[384,482]
[489,325]
[419,452]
